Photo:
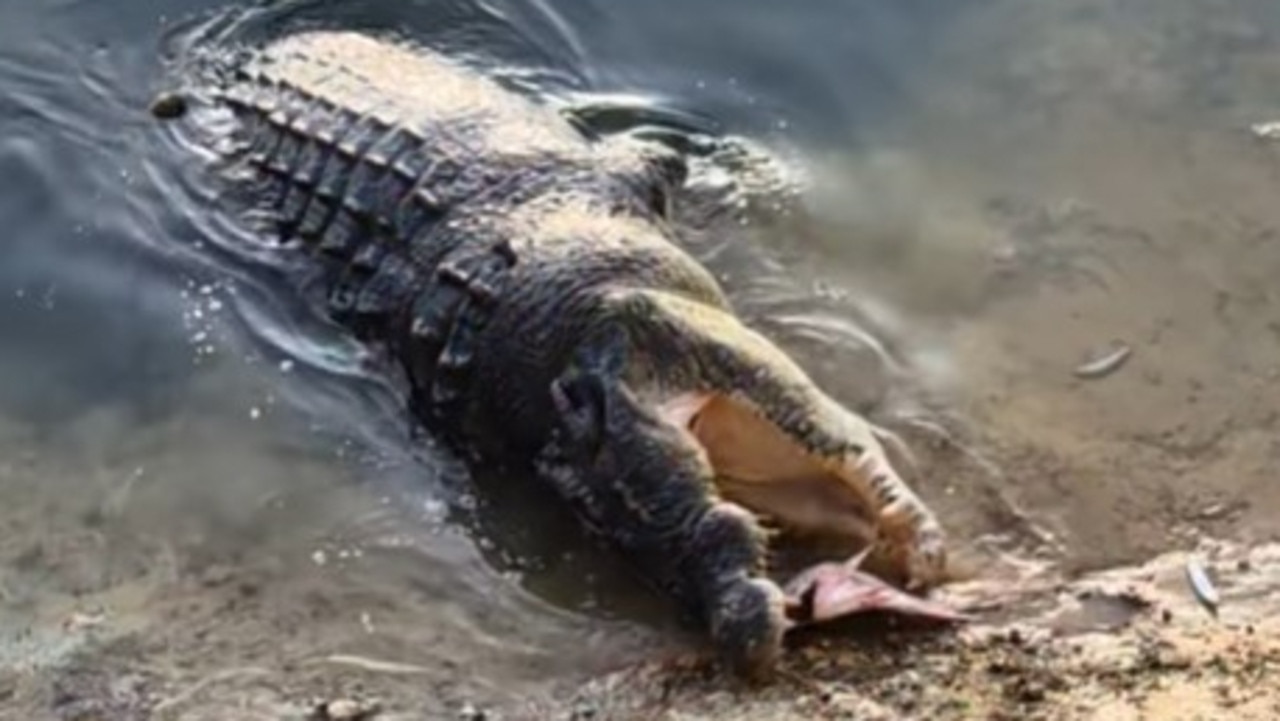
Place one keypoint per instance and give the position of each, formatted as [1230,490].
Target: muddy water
[207,489]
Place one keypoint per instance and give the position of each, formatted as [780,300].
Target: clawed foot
[753,614]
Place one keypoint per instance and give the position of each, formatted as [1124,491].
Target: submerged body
[524,274]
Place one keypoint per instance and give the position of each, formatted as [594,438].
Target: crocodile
[524,274]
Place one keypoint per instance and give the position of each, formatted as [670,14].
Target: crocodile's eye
[670,170]
[672,167]
[579,400]
[660,201]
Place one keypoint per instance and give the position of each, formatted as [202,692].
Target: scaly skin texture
[524,275]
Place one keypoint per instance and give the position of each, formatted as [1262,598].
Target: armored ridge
[524,276]
[379,153]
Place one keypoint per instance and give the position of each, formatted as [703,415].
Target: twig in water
[373,664]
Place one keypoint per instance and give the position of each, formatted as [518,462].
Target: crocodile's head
[679,482]
[646,486]
[646,483]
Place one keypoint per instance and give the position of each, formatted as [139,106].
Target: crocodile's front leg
[640,476]
[645,485]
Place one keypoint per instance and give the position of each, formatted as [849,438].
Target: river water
[201,478]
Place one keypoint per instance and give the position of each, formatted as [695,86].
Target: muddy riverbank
[1129,643]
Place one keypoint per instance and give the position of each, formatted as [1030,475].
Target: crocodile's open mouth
[773,475]
[765,470]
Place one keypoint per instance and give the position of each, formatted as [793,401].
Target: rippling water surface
[191,460]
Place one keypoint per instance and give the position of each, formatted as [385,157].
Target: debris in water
[374,665]
[78,621]
[168,105]
[1214,511]
[1106,363]
[1202,586]
[1266,131]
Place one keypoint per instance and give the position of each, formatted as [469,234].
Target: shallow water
[996,190]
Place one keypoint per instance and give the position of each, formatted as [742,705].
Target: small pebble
[345,709]
[342,710]
[1029,691]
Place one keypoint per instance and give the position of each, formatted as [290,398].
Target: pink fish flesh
[827,591]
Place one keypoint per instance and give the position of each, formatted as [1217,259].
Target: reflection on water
[996,189]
